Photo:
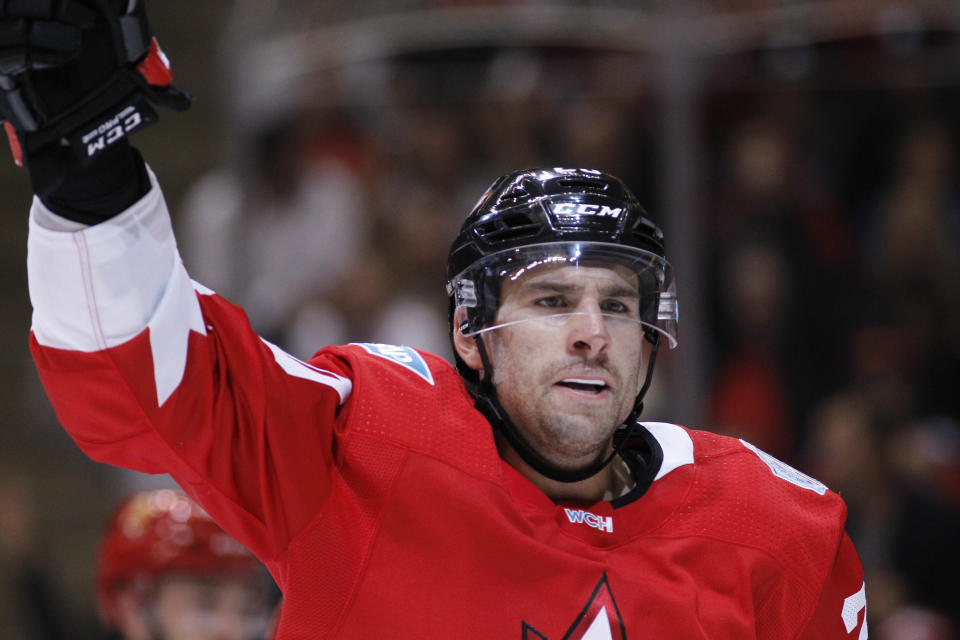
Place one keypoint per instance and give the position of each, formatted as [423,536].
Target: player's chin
[578,454]
[586,431]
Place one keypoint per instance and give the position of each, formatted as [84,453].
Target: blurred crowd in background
[826,202]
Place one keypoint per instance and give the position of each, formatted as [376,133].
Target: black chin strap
[488,404]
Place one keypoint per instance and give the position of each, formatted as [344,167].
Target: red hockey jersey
[372,489]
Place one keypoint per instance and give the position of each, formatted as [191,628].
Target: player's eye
[550,302]
[616,306]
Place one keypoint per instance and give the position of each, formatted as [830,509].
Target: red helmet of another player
[154,533]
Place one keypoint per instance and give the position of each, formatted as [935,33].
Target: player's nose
[588,332]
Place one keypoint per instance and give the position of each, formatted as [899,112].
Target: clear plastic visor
[620,289]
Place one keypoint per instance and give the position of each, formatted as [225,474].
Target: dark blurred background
[801,157]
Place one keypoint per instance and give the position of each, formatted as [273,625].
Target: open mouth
[594,387]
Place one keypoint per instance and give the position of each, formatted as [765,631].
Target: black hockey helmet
[534,206]
[554,216]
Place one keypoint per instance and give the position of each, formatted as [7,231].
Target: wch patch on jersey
[579,516]
[403,356]
[783,470]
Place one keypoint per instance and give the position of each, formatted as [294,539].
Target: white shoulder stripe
[676,445]
[298,368]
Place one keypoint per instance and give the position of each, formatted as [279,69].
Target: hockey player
[166,570]
[390,495]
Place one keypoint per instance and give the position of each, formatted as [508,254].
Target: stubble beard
[567,439]
[575,441]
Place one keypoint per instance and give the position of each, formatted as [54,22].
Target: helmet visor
[638,294]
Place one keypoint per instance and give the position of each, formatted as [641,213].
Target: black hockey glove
[77,77]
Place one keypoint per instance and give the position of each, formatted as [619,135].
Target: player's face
[196,608]
[568,381]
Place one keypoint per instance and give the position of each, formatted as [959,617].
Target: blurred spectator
[509,111]
[916,623]
[890,474]
[777,265]
[912,262]
[166,570]
[846,453]
[925,542]
[750,392]
[915,227]
[297,218]
[880,362]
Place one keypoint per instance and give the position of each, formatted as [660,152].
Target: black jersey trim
[644,456]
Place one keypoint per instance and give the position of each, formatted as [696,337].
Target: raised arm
[147,369]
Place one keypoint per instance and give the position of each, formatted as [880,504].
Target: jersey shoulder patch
[406,357]
[785,472]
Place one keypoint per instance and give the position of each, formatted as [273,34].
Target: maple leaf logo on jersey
[599,620]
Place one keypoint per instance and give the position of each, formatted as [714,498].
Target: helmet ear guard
[468,314]
[479,295]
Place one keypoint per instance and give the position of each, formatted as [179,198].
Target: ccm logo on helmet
[603,210]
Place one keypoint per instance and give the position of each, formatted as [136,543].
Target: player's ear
[466,346]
